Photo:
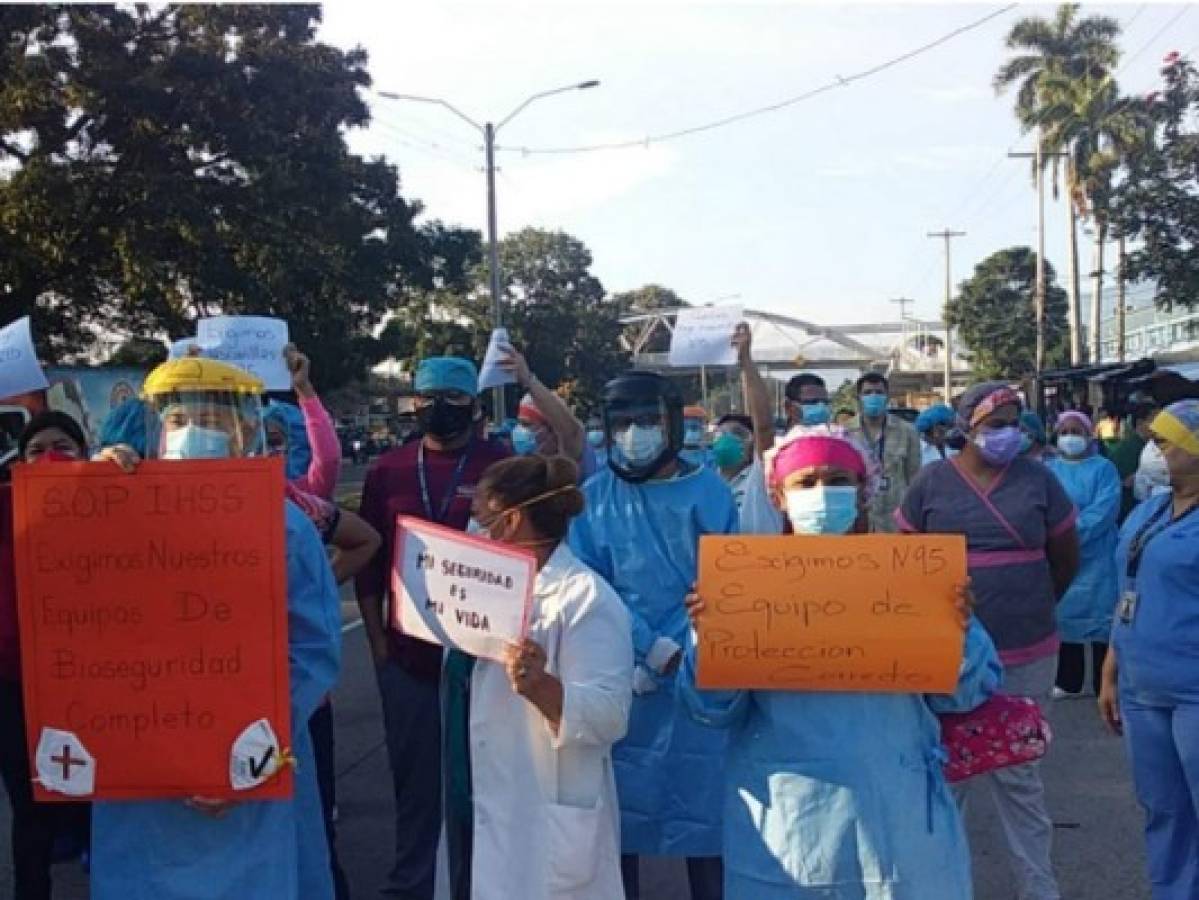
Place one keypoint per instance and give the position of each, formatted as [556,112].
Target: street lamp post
[489,131]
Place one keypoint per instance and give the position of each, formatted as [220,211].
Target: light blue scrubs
[841,796]
[644,540]
[1084,614]
[262,850]
[1158,657]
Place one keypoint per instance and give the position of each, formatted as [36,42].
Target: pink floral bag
[1004,731]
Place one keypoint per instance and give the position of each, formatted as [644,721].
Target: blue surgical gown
[842,795]
[644,540]
[259,850]
[1084,614]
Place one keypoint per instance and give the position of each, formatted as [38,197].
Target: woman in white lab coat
[542,798]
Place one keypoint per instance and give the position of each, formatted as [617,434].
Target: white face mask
[822,510]
[641,445]
[1153,475]
[1073,445]
[193,442]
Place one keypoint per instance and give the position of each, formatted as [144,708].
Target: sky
[820,210]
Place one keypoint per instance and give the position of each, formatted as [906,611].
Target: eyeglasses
[453,398]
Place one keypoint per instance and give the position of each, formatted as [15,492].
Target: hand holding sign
[493,373]
[702,336]
[460,591]
[876,613]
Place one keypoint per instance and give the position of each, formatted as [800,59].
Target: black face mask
[443,420]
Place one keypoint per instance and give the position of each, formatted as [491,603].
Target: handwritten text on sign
[460,591]
[253,343]
[153,614]
[703,336]
[870,613]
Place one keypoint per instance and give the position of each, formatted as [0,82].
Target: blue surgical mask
[693,436]
[641,444]
[192,442]
[595,437]
[815,413]
[1073,445]
[524,441]
[999,446]
[874,405]
[822,510]
[1025,444]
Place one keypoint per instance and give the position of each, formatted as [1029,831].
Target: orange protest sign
[153,617]
[864,613]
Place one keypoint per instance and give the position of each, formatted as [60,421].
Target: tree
[1158,201]
[139,353]
[995,313]
[648,337]
[1048,54]
[169,162]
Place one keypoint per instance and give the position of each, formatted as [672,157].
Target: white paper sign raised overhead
[491,375]
[703,336]
[20,371]
[460,591]
[253,343]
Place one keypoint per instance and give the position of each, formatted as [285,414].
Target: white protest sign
[459,591]
[491,375]
[253,343]
[20,372]
[703,336]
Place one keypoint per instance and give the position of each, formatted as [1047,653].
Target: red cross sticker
[66,761]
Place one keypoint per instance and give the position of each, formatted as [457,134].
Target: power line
[838,82]
[1178,15]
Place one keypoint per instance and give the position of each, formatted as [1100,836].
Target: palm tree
[1097,129]
[1047,51]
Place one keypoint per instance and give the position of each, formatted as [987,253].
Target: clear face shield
[639,434]
[205,424]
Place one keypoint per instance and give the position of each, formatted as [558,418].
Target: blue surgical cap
[291,420]
[937,414]
[127,424]
[447,373]
[1032,423]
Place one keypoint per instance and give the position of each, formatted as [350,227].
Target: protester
[35,827]
[432,479]
[304,434]
[597,441]
[892,442]
[733,452]
[933,425]
[543,807]
[1034,441]
[1149,687]
[544,423]
[1108,428]
[807,400]
[1022,554]
[1126,455]
[821,789]
[207,848]
[640,531]
[352,544]
[1084,613]
[695,428]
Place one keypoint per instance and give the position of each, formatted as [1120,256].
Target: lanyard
[880,446]
[1147,532]
[439,518]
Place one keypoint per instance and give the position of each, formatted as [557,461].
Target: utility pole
[488,130]
[1038,156]
[904,303]
[1120,299]
[948,235]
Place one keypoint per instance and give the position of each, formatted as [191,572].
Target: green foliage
[995,314]
[651,337]
[1158,202]
[164,163]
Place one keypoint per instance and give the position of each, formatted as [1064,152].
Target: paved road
[1098,849]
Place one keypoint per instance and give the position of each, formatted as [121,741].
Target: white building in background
[1150,332]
